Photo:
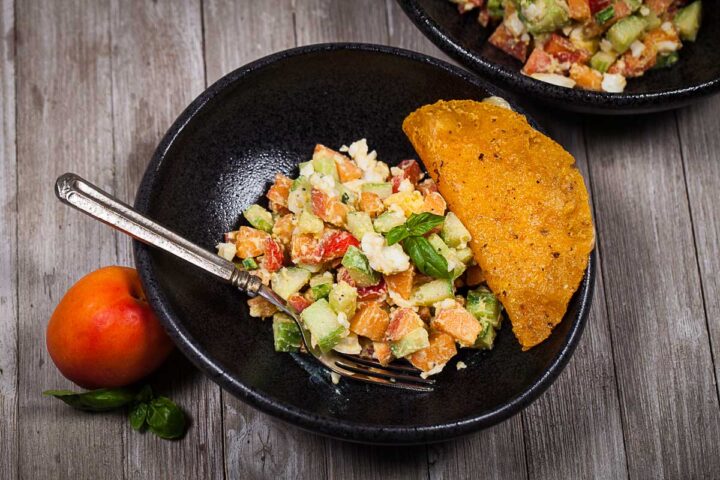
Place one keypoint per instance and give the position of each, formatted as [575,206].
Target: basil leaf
[416,225]
[420,224]
[425,258]
[138,415]
[101,400]
[165,419]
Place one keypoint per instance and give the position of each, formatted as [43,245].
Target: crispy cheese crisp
[522,199]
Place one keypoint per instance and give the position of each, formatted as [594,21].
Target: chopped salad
[370,258]
[590,44]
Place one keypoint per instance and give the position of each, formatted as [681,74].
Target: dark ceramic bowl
[221,155]
[696,74]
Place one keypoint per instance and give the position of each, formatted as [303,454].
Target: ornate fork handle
[86,197]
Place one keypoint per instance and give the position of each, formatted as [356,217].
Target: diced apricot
[434,203]
[401,283]
[250,242]
[579,9]
[328,208]
[347,170]
[382,353]
[261,308]
[280,190]
[508,43]
[283,229]
[370,321]
[564,51]
[586,77]
[402,322]
[621,10]
[459,323]
[371,203]
[439,352]
[304,248]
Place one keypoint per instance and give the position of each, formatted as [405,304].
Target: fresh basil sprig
[425,258]
[159,414]
[417,225]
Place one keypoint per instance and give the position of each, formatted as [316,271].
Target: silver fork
[86,197]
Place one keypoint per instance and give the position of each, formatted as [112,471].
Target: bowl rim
[327,425]
[574,99]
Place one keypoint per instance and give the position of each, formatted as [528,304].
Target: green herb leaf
[165,419]
[416,225]
[138,415]
[345,198]
[605,14]
[145,394]
[101,400]
[425,258]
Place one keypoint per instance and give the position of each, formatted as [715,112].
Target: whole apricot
[103,333]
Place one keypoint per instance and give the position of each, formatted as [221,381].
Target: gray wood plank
[8,244]
[661,351]
[403,33]
[699,130]
[157,69]
[63,123]
[579,416]
[256,445]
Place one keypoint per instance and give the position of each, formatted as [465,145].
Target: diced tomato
[273,259]
[298,303]
[305,248]
[579,9]
[427,186]
[328,208]
[411,170]
[370,321]
[373,293]
[396,180]
[402,322]
[597,5]
[564,51]
[344,276]
[280,190]
[538,62]
[371,203]
[250,242]
[505,41]
[336,244]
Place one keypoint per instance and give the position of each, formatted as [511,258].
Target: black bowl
[221,155]
[461,36]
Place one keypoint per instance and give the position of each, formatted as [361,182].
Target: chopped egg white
[637,48]
[354,186]
[460,365]
[514,24]
[667,27]
[555,79]
[667,46]
[226,250]
[445,304]
[307,170]
[325,183]
[644,11]
[605,45]
[349,345]
[334,378]
[400,301]
[434,371]
[383,258]
[406,186]
[613,82]
[497,101]
[342,320]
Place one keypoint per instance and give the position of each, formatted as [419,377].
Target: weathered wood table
[90,86]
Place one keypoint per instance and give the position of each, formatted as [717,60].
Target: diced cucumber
[410,343]
[601,61]
[250,264]
[309,223]
[347,196]
[437,243]
[652,21]
[495,9]
[323,325]
[688,19]
[359,268]
[388,220]
[465,255]
[625,32]
[486,337]
[325,165]
[303,168]
[543,16]
[299,196]
[311,268]
[666,60]
[286,334]
[343,298]
[432,292]
[259,218]
[454,232]
[320,291]
[289,280]
[325,277]
[359,223]
[485,306]
[382,190]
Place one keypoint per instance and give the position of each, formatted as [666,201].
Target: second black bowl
[221,155]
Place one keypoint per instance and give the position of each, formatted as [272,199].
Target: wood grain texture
[64,123]
[661,351]
[579,416]
[157,69]
[256,445]
[8,245]
[403,33]
[320,21]
[699,130]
